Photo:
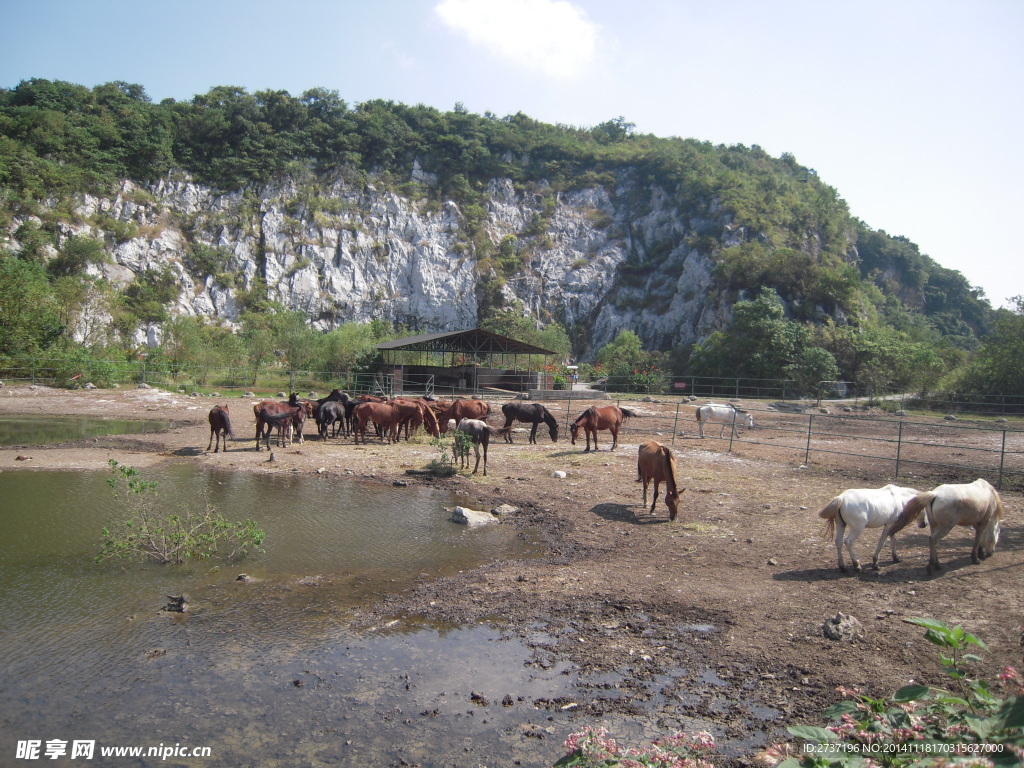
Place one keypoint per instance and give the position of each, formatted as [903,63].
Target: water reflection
[266,671]
[39,430]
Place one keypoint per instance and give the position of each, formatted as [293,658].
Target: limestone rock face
[598,259]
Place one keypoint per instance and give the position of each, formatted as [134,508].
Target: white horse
[723,414]
[860,508]
[974,504]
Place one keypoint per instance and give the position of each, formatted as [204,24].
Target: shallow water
[38,430]
[270,671]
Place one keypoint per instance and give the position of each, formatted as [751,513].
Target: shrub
[919,725]
[150,533]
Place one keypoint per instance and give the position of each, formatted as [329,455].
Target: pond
[17,430]
[267,671]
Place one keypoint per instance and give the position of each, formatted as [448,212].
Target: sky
[910,109]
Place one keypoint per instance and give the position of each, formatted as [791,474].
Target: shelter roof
[477,341]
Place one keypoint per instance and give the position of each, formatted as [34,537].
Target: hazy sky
[910,109]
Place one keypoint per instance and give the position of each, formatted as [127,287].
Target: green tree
[996,367]
[29,320]
[760,342]
[814,366]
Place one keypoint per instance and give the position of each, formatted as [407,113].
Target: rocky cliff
[595,259]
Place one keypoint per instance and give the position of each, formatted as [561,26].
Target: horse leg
[615,442]
[840,535]
[851,539]
[476,449]
[654,501]
[533,432]
[508,434]
[933,544]
[881,543]
[976,554]
[486,440]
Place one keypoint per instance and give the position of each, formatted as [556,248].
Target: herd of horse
[891,508]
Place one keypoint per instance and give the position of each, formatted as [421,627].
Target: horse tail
[829,513]
[911,510]
[626,413]
[227,422]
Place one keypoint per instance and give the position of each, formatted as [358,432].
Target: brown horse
[220,426]
[384,415]
[414,413]
[463,409]
[655,463]
[598,417]
[276,406]
[285,421]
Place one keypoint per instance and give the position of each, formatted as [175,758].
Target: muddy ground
[740,585]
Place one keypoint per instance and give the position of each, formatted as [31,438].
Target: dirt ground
[741,584]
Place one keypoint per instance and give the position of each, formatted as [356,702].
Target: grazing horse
[220,426]
[384,415]
[974,504]
[860,508]
[414,413]
[723,414]
[529,413]
[463,409]
[598,417]
[481,433]
[284,421]
[655,463]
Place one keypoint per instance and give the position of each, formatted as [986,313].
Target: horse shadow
[623,513]
[190,451]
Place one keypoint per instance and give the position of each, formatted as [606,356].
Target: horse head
[553,431]
[574,431]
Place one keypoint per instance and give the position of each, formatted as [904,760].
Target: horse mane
[582,416]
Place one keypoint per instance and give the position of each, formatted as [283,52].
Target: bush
[149,533]
[919,725]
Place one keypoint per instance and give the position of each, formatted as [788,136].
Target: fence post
[675,424]
[899,447]
[807,453]
[1002,459]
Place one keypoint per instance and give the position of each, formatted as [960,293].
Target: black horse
[528,413]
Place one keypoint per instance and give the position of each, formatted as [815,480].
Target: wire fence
[855,439]
[850,434]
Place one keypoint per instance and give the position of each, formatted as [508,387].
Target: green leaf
[911,693]
[969,638]
[939,637]
[812,733]
[836,711]
[929,623]
[1011,713]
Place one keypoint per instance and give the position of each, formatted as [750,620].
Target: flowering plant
[593,748]
[919,725]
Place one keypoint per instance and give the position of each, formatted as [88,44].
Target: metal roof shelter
[476,342]
[461,359]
